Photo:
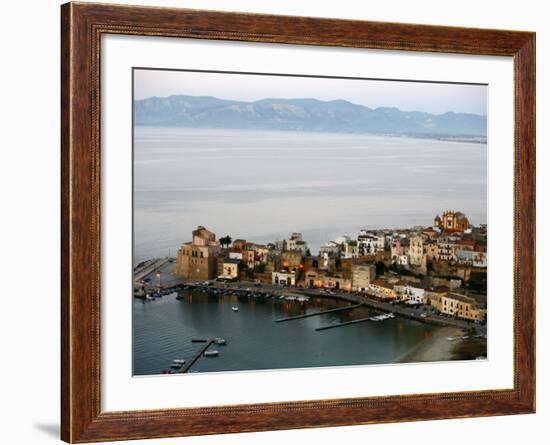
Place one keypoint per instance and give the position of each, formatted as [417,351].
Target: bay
[262,185]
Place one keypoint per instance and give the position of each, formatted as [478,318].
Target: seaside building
[446,249]
[472,258]
[416,250]
[397,248]
[248,257]
[382,289]
[431,250]
[337,282]
[331,248]
[295,243]
[413,294]
[236,255]
[197,259]
[238,245]
[262,253]
[284,278]
[460,306]
[452,221]
[229,269]
[434,295]
[362,275]
[312,279]
[369,243]
[350,249]
[291,259]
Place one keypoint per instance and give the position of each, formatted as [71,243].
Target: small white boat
[211,353]
[235,309]
[382,317]
[176,365]
[179,361]
[450,338]
[219,341]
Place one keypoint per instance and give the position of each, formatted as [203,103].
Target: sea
[164,329]
[262,186]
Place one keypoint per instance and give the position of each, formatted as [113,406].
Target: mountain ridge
[302,114]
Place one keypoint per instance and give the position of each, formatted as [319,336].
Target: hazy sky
[408,96]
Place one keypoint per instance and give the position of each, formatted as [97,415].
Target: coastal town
[442,266]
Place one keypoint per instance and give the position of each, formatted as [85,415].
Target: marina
[247,316]
[375,318]
[186,328]
[250,290]
[202,351]
[313,314]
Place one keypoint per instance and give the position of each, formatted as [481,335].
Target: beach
[435,348]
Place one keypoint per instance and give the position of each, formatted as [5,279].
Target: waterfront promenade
[422,313]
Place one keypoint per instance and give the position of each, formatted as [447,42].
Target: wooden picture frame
[82,26]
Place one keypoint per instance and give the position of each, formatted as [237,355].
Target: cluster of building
[422,265]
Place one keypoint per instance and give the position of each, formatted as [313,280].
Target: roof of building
[438,289]
[460,297]
[363,265]
[466,242]
[231,260]
[382,283]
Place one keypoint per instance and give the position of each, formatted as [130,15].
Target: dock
[199,354]
[345,323]
[312,314]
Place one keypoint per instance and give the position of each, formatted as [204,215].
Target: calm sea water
[163,330]
[261,186]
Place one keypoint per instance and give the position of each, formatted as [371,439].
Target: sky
[435,98]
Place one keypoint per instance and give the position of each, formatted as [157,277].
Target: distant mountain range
[337,116]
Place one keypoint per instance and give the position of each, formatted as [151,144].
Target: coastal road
[423,313]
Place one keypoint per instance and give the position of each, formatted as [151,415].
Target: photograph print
[299,221]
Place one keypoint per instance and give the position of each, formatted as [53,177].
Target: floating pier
[312,314]
[345,323]
[199,354]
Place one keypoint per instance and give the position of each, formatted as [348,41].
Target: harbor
[273,327]
[161,281]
